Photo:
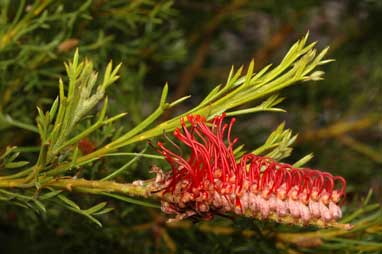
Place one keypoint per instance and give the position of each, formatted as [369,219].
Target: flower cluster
[212,181]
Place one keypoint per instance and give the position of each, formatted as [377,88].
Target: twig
[262,55]
[338,129]
[79,185]
[191,71]
[361,148]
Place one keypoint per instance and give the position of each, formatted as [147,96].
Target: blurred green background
[191,45]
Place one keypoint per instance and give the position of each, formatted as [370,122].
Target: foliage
[68,157]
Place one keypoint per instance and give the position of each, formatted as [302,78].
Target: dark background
[192,45]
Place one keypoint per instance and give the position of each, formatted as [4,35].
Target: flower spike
[212,181]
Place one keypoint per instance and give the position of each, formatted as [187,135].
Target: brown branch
[215,21]
[361,148]
[101,186]
[139,189]
[262,55]
[338,129]
[191,71]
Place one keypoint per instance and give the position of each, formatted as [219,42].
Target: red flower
[86,146]
[212,181]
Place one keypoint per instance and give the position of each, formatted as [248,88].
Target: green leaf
[95,208]
[7,119]
[163,97]
[8,150]
[114,118]
[104,211]
[103,110]
[249,75]
[68,202]
[90,217]
[301,162]
[50,194]
[53,109]
[131,200]
[123,168]
[178,101]
[17,164]
[40,206]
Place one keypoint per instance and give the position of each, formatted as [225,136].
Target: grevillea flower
[212,181]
